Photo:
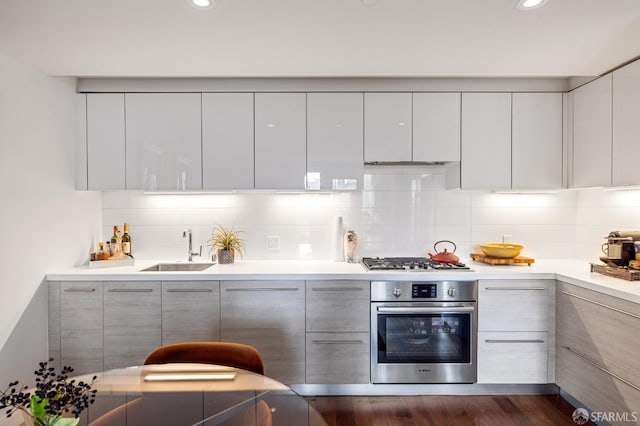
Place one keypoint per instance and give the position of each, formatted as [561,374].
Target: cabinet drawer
[600,327]
[595,386]
[512,357]
[337,357]
[337,306]
[513,305]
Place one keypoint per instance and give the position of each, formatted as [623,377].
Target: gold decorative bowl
[502,251]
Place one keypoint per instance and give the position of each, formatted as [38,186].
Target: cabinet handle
[189,290]
[79,290]
[337,289]
[130,290]
[426,310]
[516,288]
[337,342]
[601,368]
[600,304]
[262,289]
[514,341]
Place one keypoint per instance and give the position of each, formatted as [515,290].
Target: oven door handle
[425,310]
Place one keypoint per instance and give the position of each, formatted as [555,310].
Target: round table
[194,394]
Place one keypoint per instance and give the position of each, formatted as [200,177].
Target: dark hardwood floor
[441,410]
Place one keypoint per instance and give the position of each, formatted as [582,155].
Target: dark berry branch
[54,396]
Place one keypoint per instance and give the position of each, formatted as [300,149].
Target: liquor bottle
[102,254]
[114,241]
[126,241]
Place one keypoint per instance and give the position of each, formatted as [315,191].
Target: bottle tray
[112,263]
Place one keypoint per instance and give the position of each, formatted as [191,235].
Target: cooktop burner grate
[409,264]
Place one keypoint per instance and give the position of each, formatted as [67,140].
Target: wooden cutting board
[520,260]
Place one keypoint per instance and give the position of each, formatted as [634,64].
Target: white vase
[338,245]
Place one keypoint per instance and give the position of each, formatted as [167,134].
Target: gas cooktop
[419,264]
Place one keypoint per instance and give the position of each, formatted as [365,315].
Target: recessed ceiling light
[530,4]
[202,4]
[369,2]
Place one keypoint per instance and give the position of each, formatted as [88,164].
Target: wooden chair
[230,354]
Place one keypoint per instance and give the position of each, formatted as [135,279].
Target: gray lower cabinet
[515,328]
[75,325]
[132,322]
[337,326]
[269,315]
[190,311]
[597,349]
[81,326]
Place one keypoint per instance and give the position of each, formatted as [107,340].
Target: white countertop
[575,272]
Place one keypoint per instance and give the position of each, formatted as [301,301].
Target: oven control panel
[434,291]
[424,291]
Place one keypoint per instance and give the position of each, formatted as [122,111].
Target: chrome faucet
[187,233]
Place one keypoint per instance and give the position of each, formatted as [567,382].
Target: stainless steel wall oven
[423,332]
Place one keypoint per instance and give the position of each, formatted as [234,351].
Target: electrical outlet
[273,243]
[506,238]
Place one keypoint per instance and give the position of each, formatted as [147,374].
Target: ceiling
[320,38]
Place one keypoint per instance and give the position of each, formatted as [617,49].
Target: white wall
[44,222]
[402,211]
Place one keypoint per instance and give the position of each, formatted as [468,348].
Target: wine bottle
[114,241]
[126,241]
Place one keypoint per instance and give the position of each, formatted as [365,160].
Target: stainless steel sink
[177,267]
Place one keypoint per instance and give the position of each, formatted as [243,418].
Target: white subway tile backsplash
[452,216]
[622,198]
[456,233]
[558,233]
[556,215]
[402,211]
[588,198]
[452,199]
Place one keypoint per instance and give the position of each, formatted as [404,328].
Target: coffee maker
[620,248]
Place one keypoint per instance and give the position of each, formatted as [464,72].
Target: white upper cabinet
[335,141]
[105,141]
[387,127]
[164,141]
[486,141]
[280,140]
[536,141]
[436,127]
[592,134]
[227,141]
[626,124]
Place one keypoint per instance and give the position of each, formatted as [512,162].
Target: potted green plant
[54,397]
[226,241]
